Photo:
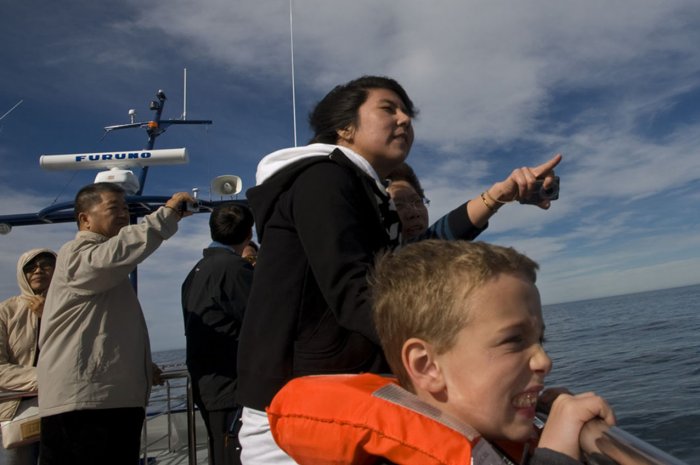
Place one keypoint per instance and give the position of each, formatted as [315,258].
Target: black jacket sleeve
[455,225]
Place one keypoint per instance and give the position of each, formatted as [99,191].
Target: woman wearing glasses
[411,204]
[19,332]
[410,201]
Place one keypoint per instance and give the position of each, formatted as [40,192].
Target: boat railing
[603,444]
[610,445]
[173,405]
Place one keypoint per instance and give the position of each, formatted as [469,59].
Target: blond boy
[461,326]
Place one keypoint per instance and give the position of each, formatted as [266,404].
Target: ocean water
[639,351]
[642,353]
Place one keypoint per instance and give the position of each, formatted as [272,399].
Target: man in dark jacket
[214,297]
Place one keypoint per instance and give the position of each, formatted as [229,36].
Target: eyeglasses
[31,267]
[415,203]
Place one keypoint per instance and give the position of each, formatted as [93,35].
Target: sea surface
[639,351]
[642,353]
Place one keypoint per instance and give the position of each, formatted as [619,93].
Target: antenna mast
[184,97]
[18,104]
[294,99]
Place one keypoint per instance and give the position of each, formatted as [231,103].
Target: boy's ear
[418,357]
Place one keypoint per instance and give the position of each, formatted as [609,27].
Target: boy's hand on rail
[566,419]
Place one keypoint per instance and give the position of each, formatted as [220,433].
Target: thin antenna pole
[18,104]
[294,98]
[184,98]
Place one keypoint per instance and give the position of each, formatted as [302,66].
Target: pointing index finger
[547,166]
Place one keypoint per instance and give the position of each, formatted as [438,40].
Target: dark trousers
[90,437]
[223,442]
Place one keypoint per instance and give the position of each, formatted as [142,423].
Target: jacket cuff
[460,224]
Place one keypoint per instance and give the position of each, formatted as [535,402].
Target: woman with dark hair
[410,201]
[322,214]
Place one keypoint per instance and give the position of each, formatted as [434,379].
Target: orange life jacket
[355,419]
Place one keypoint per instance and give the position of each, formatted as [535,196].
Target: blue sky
[614,86]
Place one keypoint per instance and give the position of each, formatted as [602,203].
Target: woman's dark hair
[230,224]
[338,109]
[404,172]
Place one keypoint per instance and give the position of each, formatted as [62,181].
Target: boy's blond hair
[420,290]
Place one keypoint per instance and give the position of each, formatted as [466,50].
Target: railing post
[144,439]
[191,426]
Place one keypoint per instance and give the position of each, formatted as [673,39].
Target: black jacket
[214,299]
[309,310]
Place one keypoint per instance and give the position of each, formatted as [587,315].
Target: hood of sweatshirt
[277,172]
[276,161]
[24,286]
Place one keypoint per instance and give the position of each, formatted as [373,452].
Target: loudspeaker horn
[226,185]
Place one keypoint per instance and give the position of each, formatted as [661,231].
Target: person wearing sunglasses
[19,332]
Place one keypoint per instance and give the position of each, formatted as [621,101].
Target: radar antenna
[154,128]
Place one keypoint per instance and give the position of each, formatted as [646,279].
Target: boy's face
[495,371]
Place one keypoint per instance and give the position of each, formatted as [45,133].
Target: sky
[613,86]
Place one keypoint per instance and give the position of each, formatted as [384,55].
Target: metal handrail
[168,375]
[603,444]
